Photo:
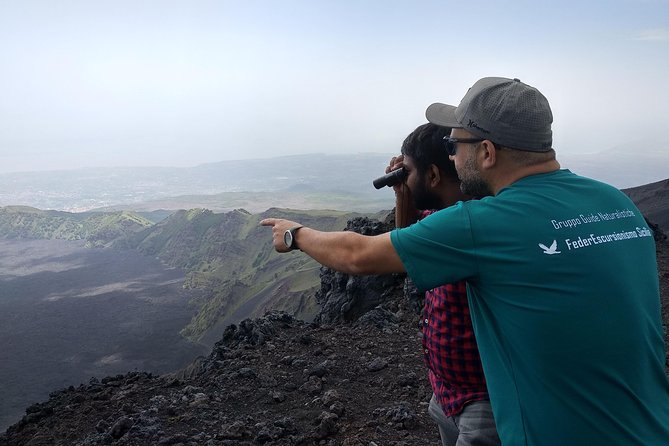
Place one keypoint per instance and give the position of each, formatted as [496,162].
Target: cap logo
[476,126]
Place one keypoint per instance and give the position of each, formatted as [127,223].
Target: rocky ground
[272,381]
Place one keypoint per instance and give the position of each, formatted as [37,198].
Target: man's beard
[471,182]
[424,199]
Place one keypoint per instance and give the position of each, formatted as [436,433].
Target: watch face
[288,239]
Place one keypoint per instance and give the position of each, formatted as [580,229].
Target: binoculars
[391,178]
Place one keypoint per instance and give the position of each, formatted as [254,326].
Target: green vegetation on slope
[230,257]
[97,229]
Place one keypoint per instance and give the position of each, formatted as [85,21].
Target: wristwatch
[289,237]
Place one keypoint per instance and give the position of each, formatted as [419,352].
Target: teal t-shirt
[563,289]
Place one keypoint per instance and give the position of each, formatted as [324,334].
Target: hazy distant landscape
[302,182]
[317,181]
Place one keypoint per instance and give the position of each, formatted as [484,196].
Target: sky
[180,83]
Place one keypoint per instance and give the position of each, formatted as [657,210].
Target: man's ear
[487,154]
[433,175]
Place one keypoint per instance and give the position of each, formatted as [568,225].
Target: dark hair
[425,146]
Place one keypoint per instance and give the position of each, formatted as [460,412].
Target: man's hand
[395,163]
[279,227]
[405,212]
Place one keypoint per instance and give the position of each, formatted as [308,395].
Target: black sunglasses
[451,143]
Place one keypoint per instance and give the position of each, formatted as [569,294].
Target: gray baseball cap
[505,111]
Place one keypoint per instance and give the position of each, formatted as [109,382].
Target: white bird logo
[551,250]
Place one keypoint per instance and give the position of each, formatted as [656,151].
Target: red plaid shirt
[449,347]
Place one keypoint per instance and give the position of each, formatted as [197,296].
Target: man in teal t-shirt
[568,333]
[561,277]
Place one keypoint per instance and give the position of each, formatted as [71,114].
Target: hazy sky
[116,82]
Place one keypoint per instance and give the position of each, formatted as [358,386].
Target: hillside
[227,256]
[275,380]
[653,201]
[46,288]
[97,229]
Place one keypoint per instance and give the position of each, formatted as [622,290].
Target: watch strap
[293,242]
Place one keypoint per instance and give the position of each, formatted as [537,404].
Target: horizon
[617,165]
[296,180]
[221,161]
[165,84]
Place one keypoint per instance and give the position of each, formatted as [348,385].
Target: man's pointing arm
[344,251]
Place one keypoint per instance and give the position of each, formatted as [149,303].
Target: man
[460,404]
[561,277]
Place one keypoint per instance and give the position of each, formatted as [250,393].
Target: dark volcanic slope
[68,313]
[653,201]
